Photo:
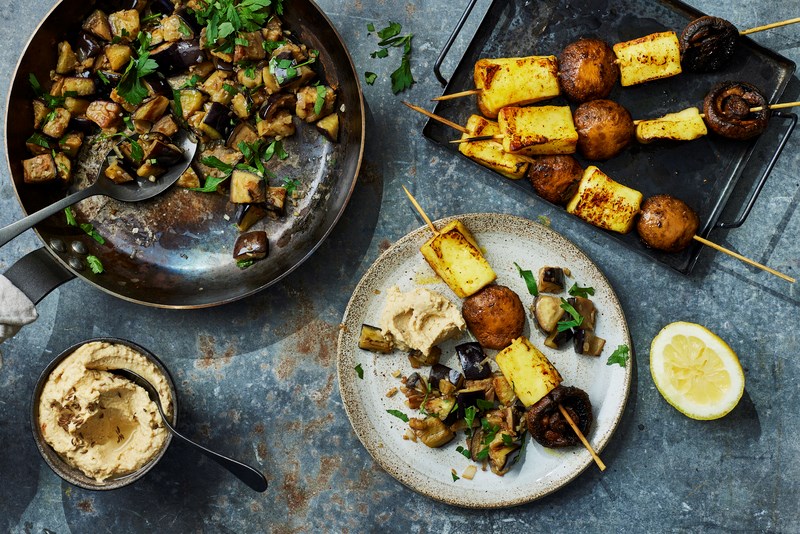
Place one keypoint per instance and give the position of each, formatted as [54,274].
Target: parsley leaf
[507,440]
[130,85]
[379,54]
[359,371]
[91,232]
[455,476]
[244,264]
[322,91]
[70,217]
[290,185]
[370,27]
[544,220]
[394,28]
[390,37]
[530,280]
[578,291]
[620,356]
[211,184]
[223,18]
[469,417]
[484,404]
[576,317]
[38,139]
[464,452]
[94,264]
[402,78]
[400,415]
[370,77]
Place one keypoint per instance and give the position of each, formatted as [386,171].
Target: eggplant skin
[495,316]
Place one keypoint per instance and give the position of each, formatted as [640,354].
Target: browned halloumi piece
[538,130]
[515,81]
[490,153]
[605,203]
[648,58]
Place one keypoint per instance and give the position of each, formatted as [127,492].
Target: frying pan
[175,251]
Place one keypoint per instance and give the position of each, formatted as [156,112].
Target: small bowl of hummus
[95,429]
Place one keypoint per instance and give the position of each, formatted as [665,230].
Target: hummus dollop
[419,319]
[98,422]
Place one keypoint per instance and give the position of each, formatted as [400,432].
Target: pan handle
[36,274]
[763,180]
[438,65]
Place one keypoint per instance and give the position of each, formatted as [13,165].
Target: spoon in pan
[250,476]
[139,189]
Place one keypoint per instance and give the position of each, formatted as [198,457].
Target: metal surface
[703,172]
[175,251]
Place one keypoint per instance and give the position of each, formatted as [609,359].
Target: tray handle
[763,180]
[438,65]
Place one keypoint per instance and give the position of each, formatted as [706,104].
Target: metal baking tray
[703,172]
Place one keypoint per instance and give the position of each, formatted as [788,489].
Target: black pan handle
[763,180]
[36,274]
[438,65]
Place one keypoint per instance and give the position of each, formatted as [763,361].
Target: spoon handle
[14,229]
[249,475]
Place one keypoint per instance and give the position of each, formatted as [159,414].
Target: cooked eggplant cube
[151,109]
[373,340]
[177,57]
[189,179]
[118,56]
[243,132]
[150,169]
[57,125]
[71,143]
[251,246]
[67,59]
[76,106]
[442,407]
[276,199]
[117,174]
[40,112]
[503,390]
[97,24]
[163,153]
[247,188]
[217,121]
[39,169]
[87,46]
[431,431]
[39,144]
[473,362]
[77,86]
[442,372]
[191,101]
[557,339]
[278,126]
[249,214]
[587,343]
[469,397]
[585,309]
[417,357]
[125,24]
[329,127]
[104,114]
[63,167]
[251,48]
[551,279]
[166,125]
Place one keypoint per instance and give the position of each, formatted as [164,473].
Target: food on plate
[454,255]
[549,427]
[551,279]
[587,70]
[102,424]
[474,361]
[498,81]
[555,178]
[667,223]
[648,58]
[538,130]
[707,44]
[489,153]
[604,129]
[728,110]
[605,203]
[685,125]
[495,316]
[696,371]
[529,372]
[419,319]
[372,339]
[231,73]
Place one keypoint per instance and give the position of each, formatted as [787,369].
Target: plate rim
[346,380]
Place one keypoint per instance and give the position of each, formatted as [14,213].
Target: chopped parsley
[130,85]
[38,139]
[578,291]
[400,415]
[530,280]
[620,356]
[359,371]
[94,264]
[226,18]
[370,77]
[290,185]
[50,101]
[322,91]
[484,404]
[70,217]
[455,476]
[91,232]
[469,417]
[390,37]
[544,220]
[461,450]
[576,317]
[244,264]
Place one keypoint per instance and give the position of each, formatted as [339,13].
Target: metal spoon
[139,189]
[250,476]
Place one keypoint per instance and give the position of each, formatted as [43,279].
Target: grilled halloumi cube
[454,254]
[647,58]
[605,203]
[490,153]
[538,130]
[529,372]
[515,81]
[685,125]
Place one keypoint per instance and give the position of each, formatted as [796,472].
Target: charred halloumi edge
[604,203]
[648,58]
[515,81]
[490,153]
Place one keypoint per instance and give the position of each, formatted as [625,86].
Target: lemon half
[696,371]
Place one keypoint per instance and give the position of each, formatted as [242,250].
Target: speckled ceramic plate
[505,239]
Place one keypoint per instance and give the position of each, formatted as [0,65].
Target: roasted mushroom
[587,70]
[667,223]
[549,427]
[604,129]
[707,44]
[495,316]
[728,106]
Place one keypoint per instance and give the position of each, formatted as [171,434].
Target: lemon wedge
[696,371]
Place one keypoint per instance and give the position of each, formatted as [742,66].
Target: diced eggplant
[189,179]
[414,381]
[202,69]
[276,103]
[250,49]
[57,125]
[503,391]
[84,125]
[40,113]
[329,127]
[241,105]
[442,407]
[469,397]
[78,86]
[87,46]
[244,132]
[251,246]
[157,85]
[418,359]
[217,121]
[97,24]
[76,106]
[307,107]
[38,144]
[222,65]
[431,431]
[177,57]
[222,153]
[556,339]
[247,215]
[39,169]
[547,312]
[116,173]
[217,87]
[191,101]
[473,362]
[166,125]
[158,147]
[118,56]
[587,343]
[442,372]
[585,309]
[63,167]
[551,279]
[71,143]
[175,28]
[279,126]
[105,114]
[247,188]
[151,109]
[67,59]
[503,452]
[150,169]
[283,66]
[276,199]
[106,82]
[164,7]
[125,24]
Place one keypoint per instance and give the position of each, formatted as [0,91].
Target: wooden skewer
[770,26]
[430,115]
[459,94]
[421,211]
[583,439]
[744,259]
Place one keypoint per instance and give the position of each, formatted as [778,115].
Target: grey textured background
[257,378]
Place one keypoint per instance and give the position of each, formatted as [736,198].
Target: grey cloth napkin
[16,310]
